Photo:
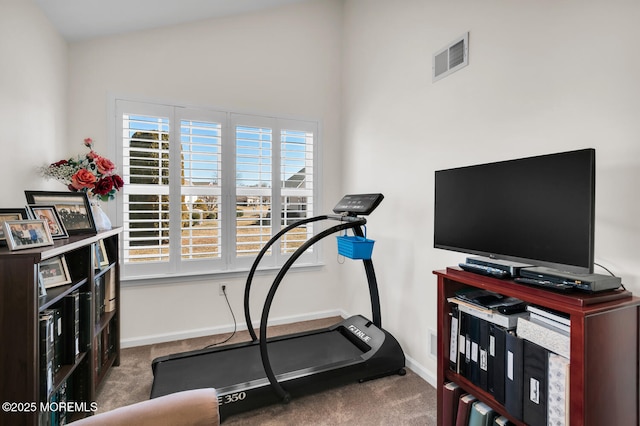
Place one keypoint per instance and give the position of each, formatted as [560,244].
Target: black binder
[497,366]
[474,335]
[483,360]
[464,343]
[534,405]
[514,375]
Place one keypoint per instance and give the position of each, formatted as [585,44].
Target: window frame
[229,262]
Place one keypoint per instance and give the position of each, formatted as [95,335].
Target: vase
[102,221]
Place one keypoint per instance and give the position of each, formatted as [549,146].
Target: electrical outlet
[222,287]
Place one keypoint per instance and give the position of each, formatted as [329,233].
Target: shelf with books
[604,360]
[50,339]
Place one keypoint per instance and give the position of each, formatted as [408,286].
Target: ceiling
[79,20]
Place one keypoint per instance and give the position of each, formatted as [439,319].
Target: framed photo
[73,208]
[51,217]
[10,214]
[54,272]
[101,258]
[25,234]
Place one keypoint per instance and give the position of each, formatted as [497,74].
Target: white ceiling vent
[451,58]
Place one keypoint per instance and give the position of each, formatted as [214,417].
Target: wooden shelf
[20,309]
[604,347]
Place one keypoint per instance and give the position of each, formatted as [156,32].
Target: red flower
[83,179]
[59,163]
[117,182]
[105,166]
[103,186]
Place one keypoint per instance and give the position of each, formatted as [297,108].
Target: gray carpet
[394,400]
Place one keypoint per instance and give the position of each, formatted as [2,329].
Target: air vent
[451,58]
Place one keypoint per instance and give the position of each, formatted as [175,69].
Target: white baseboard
[210,331]
[427,375]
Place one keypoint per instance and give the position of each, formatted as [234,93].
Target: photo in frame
[54,272]
[26,234]
[73,208]
[101,258]
[10,214]
[51,217]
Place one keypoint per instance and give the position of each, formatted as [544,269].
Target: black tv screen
[536,210]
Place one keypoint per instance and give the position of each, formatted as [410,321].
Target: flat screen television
[537,210]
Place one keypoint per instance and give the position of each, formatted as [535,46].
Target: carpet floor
[393,400]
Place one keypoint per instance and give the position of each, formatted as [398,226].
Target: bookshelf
[604,348]
[83,335]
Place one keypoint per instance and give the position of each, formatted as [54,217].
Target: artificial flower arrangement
[91,173]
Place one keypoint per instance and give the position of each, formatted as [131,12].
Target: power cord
[235,324]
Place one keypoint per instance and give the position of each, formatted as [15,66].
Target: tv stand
[604,366]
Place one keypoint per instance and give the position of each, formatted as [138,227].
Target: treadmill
[266,371]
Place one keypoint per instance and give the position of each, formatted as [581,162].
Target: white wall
[33,93]
[543,77]
[285,61]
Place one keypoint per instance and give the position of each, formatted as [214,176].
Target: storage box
[355,247]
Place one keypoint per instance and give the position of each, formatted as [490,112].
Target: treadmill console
[358,204]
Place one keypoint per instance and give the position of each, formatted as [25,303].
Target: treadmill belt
[243,364]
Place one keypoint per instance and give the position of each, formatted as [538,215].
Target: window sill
[184,278]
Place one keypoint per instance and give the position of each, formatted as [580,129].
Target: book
[481,414]
[535,371]
[86,321]
[558,390]
[501,421]
[110,291]
[46,353]
[547,336]
[464,409]
[496,362]
[542,319]
[71,327]
[513,385]
[507,321]
[451,393]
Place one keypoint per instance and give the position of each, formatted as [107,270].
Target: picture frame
[101,258]
[54,272]
[49,213]
[73,207]
[10,214]
[26,234]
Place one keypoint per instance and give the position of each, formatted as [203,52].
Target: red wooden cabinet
[604,366]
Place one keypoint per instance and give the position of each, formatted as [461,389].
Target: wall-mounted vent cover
[451,58]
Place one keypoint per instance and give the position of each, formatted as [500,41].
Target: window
[205,190]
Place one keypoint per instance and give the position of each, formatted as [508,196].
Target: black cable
[235,324]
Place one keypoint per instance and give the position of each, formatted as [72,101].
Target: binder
[481,414]
[464,345]
[474,335]
[464,409]
[534,405]
[558,385]
[497,366]
[513,385]
[451,393]
[552,338]
[453,338]
[483,360]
